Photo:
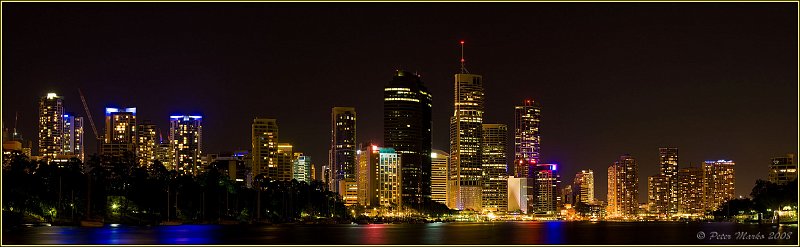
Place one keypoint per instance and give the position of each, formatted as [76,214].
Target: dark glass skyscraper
[343,154]
[407,129]
[526,137]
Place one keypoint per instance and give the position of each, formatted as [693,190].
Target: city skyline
[585,131]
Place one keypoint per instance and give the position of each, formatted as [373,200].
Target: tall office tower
[265,147]
[120,137]
[313,173]
[285,157]
[668,161]
[326,175]
[519,194]
[526,137]
[302,170]
[546,182]
[51,125]
[783,169]
[623,187]
[719,182]
[407,129]
[343,154]
[568,196]
[583,186]
[379,176]
[465,141]
[73,137]
[439,165]
[147,144]
[658,194]
[495,168]
[691,191]
[186,136]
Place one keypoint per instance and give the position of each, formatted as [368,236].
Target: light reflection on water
[375,234]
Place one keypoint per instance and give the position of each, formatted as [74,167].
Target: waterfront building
[343,154]
[583,186]
[623,188]
[719,182]
[658,194]
[233,165]
[51,125]
[264,137]
[379,176]
[407,129]
[783,169]
[163,153]
[546,181]
[285,162]
[465,141]
[668,168]
[519,191]
[526,137]
[186,138]
[691,192]
[120,132]
[147,143]
[302,170]
[494,166]
[73,137]
[568,195]
[440,163]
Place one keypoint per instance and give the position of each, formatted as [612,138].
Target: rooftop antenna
[15,134]
[463,66]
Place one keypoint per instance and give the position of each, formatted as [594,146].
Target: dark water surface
[437,233]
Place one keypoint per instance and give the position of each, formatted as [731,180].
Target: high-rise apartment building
[51,125]
[494,166]
[583,186]
[120,135]
[147,143]
[623,188]
[407,129]
[526,137]
[783,169]
[440,163]
[668,168]
[466,129]
[343,154]
[379,176]
[719,182]
[285,162]
[546,181]
[691,191]
[658,194]
[73,137]
[186,137]
[264,137]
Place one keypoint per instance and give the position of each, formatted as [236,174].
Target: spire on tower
[463,66]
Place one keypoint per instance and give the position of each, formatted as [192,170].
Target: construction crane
[91,120]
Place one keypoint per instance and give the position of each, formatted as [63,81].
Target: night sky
[717,80]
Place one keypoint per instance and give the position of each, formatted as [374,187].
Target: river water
[435,233]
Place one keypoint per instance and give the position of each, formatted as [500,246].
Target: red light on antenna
[462,42]
[462,60]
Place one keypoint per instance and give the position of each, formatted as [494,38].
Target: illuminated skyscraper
[668,161]
[658,193]
[186,136]
[623,188]
[465,141]
[439,165]
[51,125]
[583,186]
[302,170]
[343,153]
[783,169]
[147,143]
[494,166]
[407,129]
[163,153]
[120,137]
[265,147]
[73,137]
[691,191]
[526,137]
[719,182]
[379,176]
[546,182]
[285,162]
